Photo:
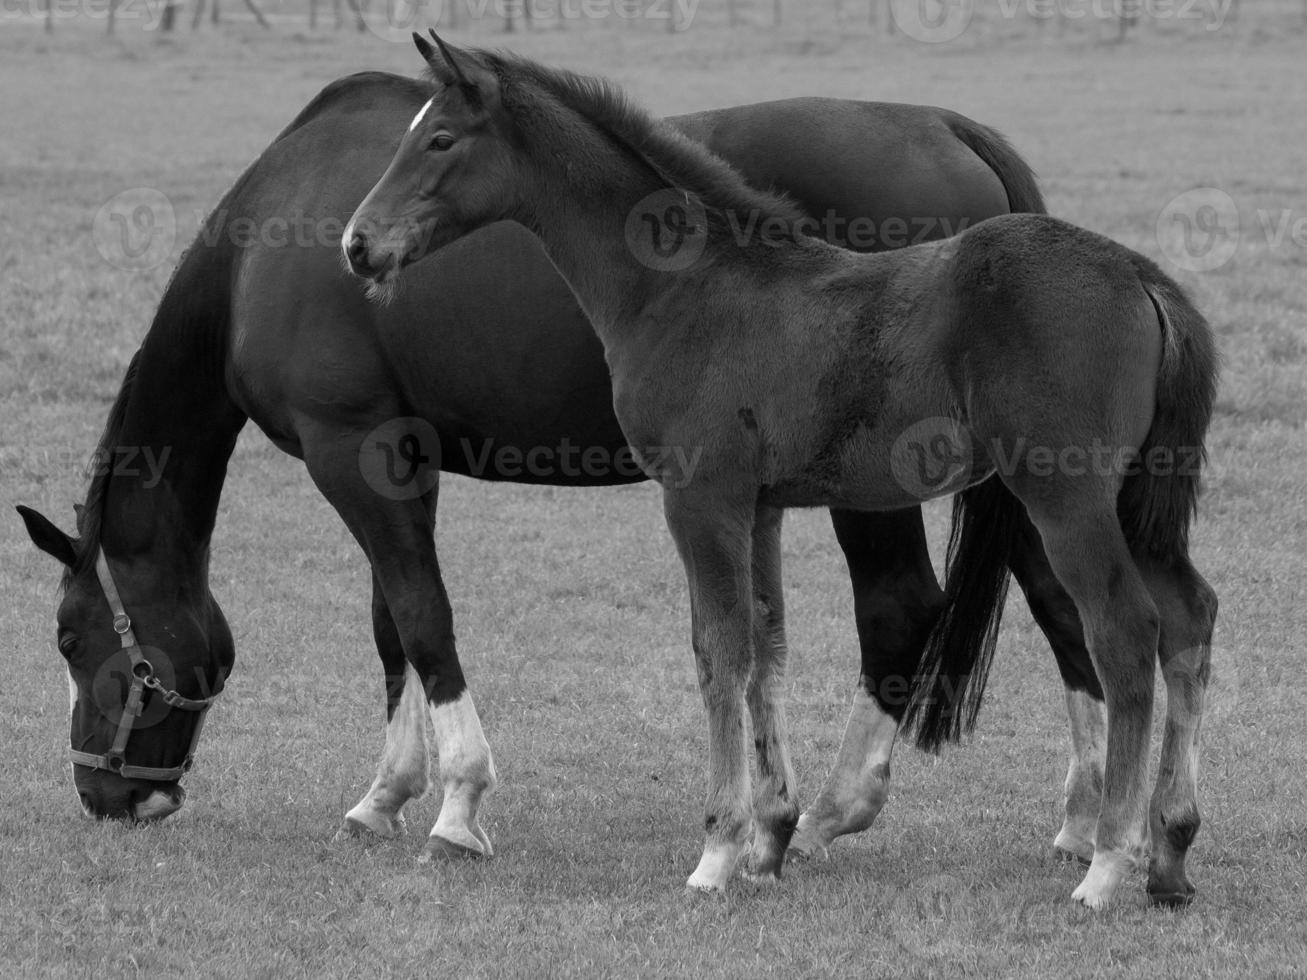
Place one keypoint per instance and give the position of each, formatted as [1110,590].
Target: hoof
[1072,847]
[354,828]
[763,879]
[1092,900]
[1062,854]
[806,846]
[442,849]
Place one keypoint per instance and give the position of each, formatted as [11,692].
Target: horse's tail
[950,682]
[1023,194]
[1160,494]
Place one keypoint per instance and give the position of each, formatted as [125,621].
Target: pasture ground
[570,605]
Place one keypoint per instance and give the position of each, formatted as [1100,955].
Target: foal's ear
[452,68]
[47,537]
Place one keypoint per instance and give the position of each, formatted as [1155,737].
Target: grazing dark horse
[481,360]
[787,371]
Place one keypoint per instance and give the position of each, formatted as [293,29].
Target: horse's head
[451,174]
[146,648]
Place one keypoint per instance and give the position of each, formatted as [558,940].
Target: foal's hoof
[762,879]
[443,849]
[374,826]
[805,845]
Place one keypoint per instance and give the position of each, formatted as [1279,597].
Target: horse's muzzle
[131,800]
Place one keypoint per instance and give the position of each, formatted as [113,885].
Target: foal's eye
[67,644]
[442,141]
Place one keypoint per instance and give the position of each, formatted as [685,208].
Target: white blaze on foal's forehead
[421,112]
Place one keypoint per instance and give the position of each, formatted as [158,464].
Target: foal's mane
[678,161]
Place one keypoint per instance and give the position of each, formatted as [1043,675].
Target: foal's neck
[587,196]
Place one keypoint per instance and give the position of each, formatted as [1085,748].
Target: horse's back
[923,182]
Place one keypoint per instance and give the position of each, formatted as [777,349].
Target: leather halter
[143,676]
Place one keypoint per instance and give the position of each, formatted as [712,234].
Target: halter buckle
[122,623]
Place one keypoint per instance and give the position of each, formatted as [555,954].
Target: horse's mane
[91,514]
[680,162]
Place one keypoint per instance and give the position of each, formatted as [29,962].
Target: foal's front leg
[714,541]
[775,800]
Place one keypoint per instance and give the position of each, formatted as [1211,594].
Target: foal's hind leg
[1056,614]
[714,540]
[775,806]
[896,600]
[1188,608]
[1088,553]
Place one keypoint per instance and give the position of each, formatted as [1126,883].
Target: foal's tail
[1160,495]
[950,683]
[1155,507]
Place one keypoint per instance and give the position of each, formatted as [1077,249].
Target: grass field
[571,609]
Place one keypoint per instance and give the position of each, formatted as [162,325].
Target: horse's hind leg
[775,805]
[404,772]
[1056,614]
[1088,553]
[896,600]
[1188,609]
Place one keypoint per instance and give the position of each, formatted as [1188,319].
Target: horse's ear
[47,537]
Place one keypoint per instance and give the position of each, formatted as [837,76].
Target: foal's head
[452,173]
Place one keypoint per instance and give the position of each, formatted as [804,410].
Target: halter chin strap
[143,676]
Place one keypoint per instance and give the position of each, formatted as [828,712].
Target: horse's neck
[168,463]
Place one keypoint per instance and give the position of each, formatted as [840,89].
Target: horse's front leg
[896,600]
[404,771]
[713,538]
[393,524]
